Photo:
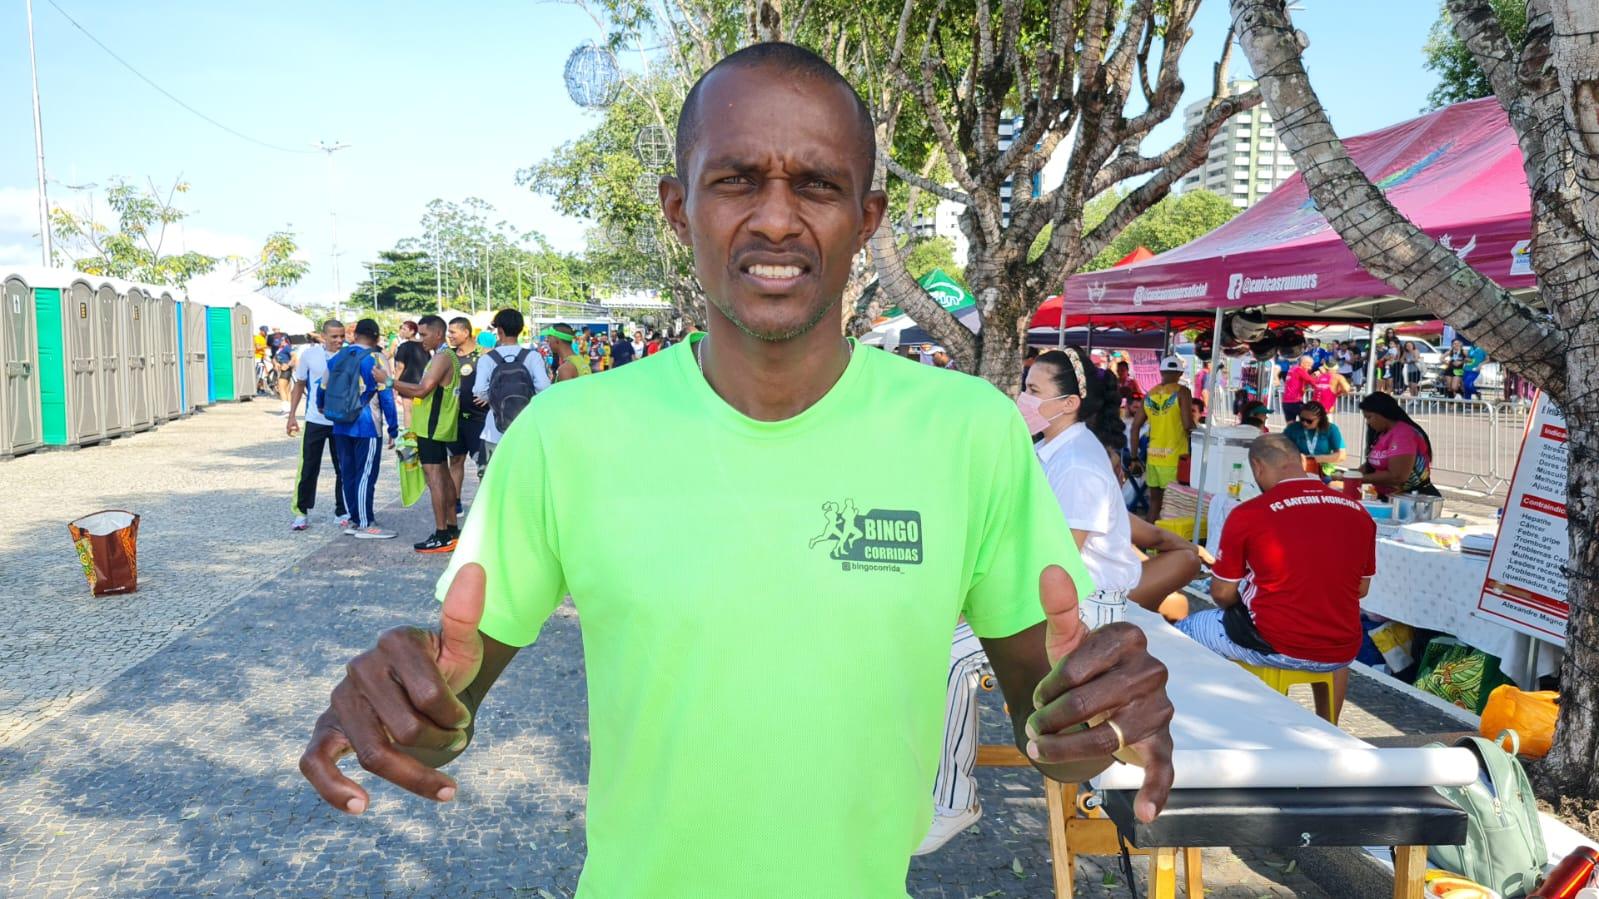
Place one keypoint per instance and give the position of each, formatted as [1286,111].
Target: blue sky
[436,100]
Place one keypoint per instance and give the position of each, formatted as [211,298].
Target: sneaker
[350,527]
[300,523]
[458,508]
[439,542]
[342,522]
[454,531]
[946,827]
[372,532]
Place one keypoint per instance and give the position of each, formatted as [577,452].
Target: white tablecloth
[1232,731]
[1438,590]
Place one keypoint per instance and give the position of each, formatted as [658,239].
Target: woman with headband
[1072,407]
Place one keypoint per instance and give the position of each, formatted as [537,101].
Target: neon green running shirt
[766,705]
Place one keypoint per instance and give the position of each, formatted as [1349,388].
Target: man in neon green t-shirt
[765,719]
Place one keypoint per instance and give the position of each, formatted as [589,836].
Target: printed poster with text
[1526,585]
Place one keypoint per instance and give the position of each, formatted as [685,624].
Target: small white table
[1437,589]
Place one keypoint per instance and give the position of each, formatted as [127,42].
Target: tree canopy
[1459,75]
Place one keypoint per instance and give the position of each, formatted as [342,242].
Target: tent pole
[1165,345]
[1060,328]
[1210,419]
[1371,356]
[1090,346]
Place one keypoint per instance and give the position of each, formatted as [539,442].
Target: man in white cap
[1169,409]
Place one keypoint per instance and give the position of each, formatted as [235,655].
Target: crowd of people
[443,391]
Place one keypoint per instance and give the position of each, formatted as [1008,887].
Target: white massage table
[1255,769]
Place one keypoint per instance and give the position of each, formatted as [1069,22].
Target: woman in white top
[1071,405]
[1075,406]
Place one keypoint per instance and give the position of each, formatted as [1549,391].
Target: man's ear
[873,207]
[674,199]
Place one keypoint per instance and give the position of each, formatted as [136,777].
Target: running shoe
[440,542]
[372,532]
[300,523]
[947,826]
[458,507]
[454,531]
[350,528]
[343,522]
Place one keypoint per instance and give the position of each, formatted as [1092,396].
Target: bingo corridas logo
[876,540]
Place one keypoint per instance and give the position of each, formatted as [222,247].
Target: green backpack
[1504,847]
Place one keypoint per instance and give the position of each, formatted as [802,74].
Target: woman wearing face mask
[1075,406]
[1072,405]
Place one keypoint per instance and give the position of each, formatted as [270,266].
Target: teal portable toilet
[243,352]
[135,310]
[220,366]
[20,431]
[166,359]
[66,317]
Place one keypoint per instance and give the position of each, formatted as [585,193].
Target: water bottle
[1571,875]
[1235,486]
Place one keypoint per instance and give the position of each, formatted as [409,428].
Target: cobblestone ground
[174,771]
[212,491]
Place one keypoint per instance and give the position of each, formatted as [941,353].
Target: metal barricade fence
[1465,440]
[1475,442]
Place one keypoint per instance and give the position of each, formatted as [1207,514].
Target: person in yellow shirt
[1169,410]
[260,342]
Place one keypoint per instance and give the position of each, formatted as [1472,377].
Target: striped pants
[955,790]
[358,459]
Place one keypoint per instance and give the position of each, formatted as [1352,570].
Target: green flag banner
[941,287]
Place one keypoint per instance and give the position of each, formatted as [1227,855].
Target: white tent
[901,330]
[269,312]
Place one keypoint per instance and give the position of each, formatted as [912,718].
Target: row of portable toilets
[89,358]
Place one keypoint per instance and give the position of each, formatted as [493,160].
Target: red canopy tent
[1457,173]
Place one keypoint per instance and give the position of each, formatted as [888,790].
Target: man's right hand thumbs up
[398,705]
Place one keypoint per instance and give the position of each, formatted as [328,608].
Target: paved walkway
[212,491]
[173,771]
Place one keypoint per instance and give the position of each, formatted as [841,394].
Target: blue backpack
[341,393]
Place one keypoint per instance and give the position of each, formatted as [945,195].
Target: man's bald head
[1274,458]
[790,60]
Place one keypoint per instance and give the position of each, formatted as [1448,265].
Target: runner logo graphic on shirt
[888,536]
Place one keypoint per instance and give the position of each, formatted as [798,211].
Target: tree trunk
[896,287]
[1562,355]
[1385,242]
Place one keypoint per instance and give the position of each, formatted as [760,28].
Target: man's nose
[776,215]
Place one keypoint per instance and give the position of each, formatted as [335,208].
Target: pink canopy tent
[1456,173]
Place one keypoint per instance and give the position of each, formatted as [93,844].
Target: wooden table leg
[1410,869]
[1060,851]
[1163,874]
[1193,873]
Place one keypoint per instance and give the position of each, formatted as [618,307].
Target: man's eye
[821,184]
[734,179]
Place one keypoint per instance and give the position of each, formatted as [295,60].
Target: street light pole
[438,270]
[38,148]
[333,217]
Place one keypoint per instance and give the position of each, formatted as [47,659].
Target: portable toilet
[243,352]
[196,361]
[136,355]
[110,325]
[166,366]
[66,317]
[221,367]
[20,431]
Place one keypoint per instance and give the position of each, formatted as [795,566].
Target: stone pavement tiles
[213,493]
[177,775]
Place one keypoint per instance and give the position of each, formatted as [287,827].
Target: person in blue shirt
[1318,439]
[1475,357]
[356,444]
